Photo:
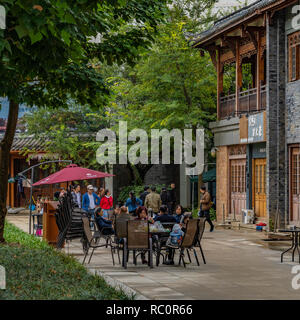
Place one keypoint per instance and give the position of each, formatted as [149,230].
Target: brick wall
[222,182]
[276,143]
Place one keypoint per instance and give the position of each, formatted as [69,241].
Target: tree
[47,49]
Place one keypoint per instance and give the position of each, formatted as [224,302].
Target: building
[257,132]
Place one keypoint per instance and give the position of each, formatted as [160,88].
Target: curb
[118,285]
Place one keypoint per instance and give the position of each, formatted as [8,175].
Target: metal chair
[91,243]
[138,240]
[188,242]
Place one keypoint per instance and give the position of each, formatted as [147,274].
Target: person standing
[132,203]
[172,198]
[153,201]
[90,200]
[164,196]
[144,194]
[106,203]
[205,205]
[76,194]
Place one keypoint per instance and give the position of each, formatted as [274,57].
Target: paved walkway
[240,265]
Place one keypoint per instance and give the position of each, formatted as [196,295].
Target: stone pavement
[240,265]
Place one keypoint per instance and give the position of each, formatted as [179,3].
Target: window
[238,176]
[294,56]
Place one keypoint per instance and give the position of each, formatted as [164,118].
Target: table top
[289,230]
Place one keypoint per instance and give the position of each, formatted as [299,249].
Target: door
[295,184]
[259,183]
[238,185]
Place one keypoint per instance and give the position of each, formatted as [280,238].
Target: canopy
[209,176]
[72,173]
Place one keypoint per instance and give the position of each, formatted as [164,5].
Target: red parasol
[72,173]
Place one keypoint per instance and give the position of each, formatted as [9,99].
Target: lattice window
[238,177]
[295,174]
[294,56]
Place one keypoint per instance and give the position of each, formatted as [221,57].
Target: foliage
[213,214]
[36,271]
[137,189]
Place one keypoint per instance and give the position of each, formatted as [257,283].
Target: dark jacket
[165,218]
[164,197]
[178,217]
[172,196]
[143,196]
[107,224]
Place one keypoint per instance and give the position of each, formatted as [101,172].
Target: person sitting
[184,222]
[142,214]
[178,213]
[163,215]
[133,203]
[105,226]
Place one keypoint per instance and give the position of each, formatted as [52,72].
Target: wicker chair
[188,241]
[138,240]
[92,241]
[199,235]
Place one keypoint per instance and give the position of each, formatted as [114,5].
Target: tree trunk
[5,146]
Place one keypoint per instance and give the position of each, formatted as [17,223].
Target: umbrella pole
[30,206]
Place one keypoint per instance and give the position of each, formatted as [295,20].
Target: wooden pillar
[238,76]
[259,71]
[219,82]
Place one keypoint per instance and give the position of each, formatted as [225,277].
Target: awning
[209,176]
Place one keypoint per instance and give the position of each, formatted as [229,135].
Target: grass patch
[36,271]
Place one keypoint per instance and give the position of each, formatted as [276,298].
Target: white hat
[89,187]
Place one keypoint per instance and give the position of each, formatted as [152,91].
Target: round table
[295,242]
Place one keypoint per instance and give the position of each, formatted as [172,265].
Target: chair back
[168,225]
[191,231]
[137,234]
[121,226]
[201,228]
[87,229]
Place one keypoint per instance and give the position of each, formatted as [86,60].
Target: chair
[138,239]
[199,235]
[188,242]
[120,233]
[90,241]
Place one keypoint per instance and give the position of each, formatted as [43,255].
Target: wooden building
[257,133]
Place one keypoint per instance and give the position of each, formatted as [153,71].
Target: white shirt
[92,201]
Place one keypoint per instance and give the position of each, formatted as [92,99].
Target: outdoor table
[158,238]
[295,242]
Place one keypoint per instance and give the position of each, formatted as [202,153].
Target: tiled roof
[28,142]
[226,21]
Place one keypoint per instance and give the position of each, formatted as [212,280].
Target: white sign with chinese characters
[256,128]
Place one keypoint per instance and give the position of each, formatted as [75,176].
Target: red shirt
[106,202]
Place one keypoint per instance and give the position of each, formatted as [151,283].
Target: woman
[142,214]
[178,213]
[106,203]
[132,203]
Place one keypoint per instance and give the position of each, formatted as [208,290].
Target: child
[176,235]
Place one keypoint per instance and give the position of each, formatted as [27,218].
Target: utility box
[248,216]
[50,229]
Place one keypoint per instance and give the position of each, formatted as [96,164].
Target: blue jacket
[131,206]
[107,224]
[86,201]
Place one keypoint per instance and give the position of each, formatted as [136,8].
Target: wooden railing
[247,103]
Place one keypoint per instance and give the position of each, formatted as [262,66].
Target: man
[172,198]
[153,201]
[90,200]
[164,216]
[205,205]
[76,194]
[164,196]
[105,226]
[144,194]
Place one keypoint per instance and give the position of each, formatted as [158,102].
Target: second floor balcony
[248,103]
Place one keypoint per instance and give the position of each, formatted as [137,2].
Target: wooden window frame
[294,43]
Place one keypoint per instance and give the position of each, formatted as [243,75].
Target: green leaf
[21,31]
[35,37]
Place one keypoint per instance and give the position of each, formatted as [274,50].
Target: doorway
[259,186]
